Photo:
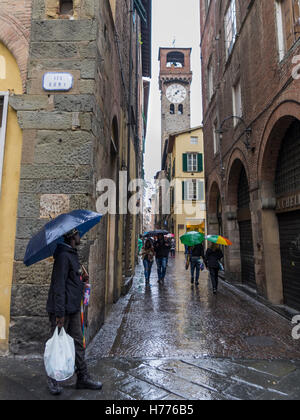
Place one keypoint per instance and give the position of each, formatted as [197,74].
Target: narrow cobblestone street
[176,341]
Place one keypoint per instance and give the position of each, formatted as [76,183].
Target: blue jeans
[148,267]
[195,265]
[161,267]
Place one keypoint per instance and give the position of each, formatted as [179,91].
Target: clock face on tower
[176,93]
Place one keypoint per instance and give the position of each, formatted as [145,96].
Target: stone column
[271,245]
[233,253]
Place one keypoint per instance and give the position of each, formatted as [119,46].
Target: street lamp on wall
[247,132]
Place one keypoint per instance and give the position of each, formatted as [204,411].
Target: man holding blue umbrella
[64,305]
[60,238]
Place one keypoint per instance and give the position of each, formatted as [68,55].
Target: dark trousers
[162,264]
[214,276]
[148,267]
[195,265]
[73,329]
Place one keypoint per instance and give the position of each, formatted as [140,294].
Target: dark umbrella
[44,243]
[156,233]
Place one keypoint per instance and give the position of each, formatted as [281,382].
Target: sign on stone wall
[54,81]
[291,202]
[52,205]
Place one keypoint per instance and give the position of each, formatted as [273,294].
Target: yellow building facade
[185,169]
[10,164]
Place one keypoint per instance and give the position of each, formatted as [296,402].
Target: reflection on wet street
[178,342]
[176,319]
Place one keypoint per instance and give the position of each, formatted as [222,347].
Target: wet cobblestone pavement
[178,342]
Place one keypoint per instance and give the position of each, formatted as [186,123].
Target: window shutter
[185,162]
[200,190]
[185,190]
[200,162]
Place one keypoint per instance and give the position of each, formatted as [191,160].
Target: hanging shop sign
[54,81]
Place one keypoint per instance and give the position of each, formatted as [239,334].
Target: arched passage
[278,170]
[239,221]
[215,210]
[280,183]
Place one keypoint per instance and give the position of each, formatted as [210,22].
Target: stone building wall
[68,148]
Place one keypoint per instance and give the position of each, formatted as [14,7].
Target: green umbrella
[192,238]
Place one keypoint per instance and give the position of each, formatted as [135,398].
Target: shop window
[66,7]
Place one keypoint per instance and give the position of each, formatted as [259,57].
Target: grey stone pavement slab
[177,342]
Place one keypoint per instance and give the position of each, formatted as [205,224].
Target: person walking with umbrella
[162,249]
[213,257]
[196,253]
[148,254]
[60,238]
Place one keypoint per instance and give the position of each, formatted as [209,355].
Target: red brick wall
[255,62]
[15,22]
[269,96]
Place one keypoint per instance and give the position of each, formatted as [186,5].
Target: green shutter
[183,190]
[200,162]
[185,162]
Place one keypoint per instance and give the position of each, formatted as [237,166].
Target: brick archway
[16,39]
[274,132]
[214,214]
[236,163]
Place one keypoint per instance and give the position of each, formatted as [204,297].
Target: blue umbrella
[44,243]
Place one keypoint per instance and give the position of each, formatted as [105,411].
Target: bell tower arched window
[175,59]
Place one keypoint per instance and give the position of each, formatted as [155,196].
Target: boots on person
[54,387]
[85,382]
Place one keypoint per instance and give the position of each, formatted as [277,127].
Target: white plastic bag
[59,357]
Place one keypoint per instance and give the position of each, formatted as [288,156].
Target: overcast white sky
[179,19]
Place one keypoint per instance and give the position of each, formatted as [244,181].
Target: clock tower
[175,80]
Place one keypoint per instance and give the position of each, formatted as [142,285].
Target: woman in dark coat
[213,258]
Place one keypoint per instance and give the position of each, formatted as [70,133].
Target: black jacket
[212,258]
[197,251]
[162,249]
[66,290]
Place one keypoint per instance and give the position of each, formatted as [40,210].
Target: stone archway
[15,37]
[11,153]
[214,210]
[241,261]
